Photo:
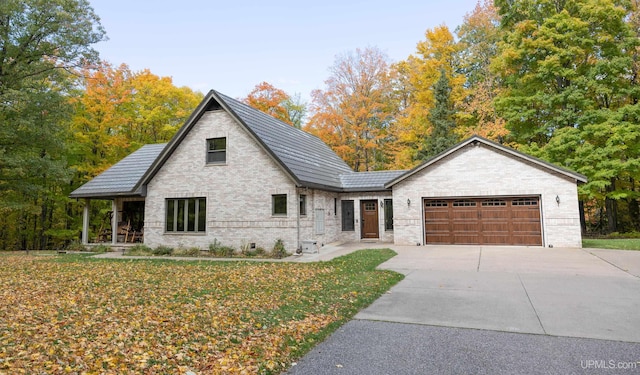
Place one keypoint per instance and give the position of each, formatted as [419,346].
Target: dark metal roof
[577,177]
[368,181]
[305,156]
[123,177]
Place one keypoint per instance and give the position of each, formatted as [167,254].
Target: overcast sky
[231,46]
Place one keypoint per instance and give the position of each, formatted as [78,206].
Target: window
[464,203]
[370,206]
[319,221]
[436,204]
[186,215]
[217,150]
[494,202]
[388,214]
[303,205]
[347,216]
[279,204]
[525,202]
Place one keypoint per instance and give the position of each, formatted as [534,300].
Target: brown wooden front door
[483,221]
[369,219]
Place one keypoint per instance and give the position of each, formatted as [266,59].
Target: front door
[369,218]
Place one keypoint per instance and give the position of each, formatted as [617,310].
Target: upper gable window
[217,150]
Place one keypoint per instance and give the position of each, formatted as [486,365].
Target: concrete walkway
[539,311]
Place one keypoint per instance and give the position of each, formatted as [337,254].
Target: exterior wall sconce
[558,200]
[381,203]
[408,202]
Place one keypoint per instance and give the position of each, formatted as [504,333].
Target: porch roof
[123,177]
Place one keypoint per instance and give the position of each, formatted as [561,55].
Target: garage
[483,221]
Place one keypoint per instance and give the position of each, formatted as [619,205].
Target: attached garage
[483,221]
[483,193]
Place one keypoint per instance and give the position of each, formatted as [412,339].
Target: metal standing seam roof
[306,156]
[122,178]
[369,181]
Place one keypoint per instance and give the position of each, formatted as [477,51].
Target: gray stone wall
[238,192]
[481,171]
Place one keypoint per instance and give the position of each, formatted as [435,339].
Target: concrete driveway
[560,292]
[494,310]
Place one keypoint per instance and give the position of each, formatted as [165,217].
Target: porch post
[114,222]
[85,221]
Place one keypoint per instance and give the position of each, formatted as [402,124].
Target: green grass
[616,243]
[73,313]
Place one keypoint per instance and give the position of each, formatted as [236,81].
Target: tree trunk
[583,222]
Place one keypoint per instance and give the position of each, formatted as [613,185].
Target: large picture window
[188,215]
[217,150]
[279,204]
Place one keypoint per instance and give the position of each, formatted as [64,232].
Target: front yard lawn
[621,243]
[76,314]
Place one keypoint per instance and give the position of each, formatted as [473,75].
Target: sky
[231,46]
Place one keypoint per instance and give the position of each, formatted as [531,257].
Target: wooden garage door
[483,221]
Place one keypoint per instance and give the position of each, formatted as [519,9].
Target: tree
[479,36]
[119,110]
[40,41]
[354,114]
[277,103]
[442,120]
[572,95]
[416,78]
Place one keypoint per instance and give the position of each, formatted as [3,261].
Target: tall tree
[442,120]
[354,114]
[416,77]
[277,103]
[39,42]
[119,110]
[479,36]
[571,93]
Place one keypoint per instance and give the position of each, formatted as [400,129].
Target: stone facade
[239,195]
[480,170]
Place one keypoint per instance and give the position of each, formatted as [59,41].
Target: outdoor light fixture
[558,200]
[381,203]
[408,202]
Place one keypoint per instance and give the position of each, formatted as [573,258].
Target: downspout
[299,249]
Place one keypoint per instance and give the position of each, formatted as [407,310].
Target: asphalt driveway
[546,304]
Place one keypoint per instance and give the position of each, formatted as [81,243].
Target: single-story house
[238,176]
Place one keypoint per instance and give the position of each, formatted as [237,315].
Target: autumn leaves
[75,315]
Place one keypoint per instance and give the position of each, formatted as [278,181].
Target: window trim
[215,151]
[197,208]
[273,204]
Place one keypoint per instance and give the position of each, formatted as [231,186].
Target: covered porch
[123,224]
[122,185]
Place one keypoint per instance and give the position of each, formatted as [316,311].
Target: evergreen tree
[442,120]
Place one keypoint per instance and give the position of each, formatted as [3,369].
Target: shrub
[162,250]
[279,250]
[218,250]
[138,249]
[101,248]
[76,246]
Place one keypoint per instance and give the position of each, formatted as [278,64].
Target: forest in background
[557,79]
